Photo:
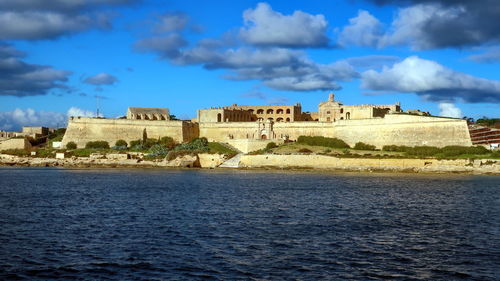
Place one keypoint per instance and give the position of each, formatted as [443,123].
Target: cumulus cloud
[40,19]
[18,78]
[168,22]
[266,27]
[17,118]
[431,24]
[363,30]
[432,81]
[491,55]
[14,120]
[101,79]
[449,110]
[76,112]
[268,52]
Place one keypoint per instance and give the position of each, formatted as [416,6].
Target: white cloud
[364,30]
[17,118]
[263,26]
[14,120]
[450,110]
[431,80]
[75,112]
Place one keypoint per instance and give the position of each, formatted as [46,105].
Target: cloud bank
[101,79]
[18,78]
[432,81]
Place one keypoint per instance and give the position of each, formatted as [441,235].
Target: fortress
[378,125]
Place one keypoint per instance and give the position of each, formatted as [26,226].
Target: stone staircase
[233,162]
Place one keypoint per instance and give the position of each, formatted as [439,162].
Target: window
[270,111]
[260,111]
[348,115]
[279,119]
[341,110]
[288,111]
[219,117]
[328,112]
[279,111]
[288,119]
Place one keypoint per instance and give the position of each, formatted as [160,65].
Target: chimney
[331,97]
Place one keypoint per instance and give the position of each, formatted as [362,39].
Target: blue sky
[58,58]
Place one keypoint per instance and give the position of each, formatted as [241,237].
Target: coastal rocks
[211,160]
[185,161]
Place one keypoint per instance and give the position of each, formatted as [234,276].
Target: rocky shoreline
[280,162]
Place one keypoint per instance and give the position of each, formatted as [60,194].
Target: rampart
[81,130]
[397,129]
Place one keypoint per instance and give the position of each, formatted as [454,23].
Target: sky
[63,58]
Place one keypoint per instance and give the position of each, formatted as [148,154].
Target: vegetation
[323,141]
[16,152]
[121,143]
[364,146]
[488,122]
[396,148]
[198,144]
[305,150]
[215,147]
[71,145]
[97,145]
[271,145]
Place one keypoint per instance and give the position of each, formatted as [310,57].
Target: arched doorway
[219,117]
[263,137]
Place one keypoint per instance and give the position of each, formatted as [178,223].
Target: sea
[158,224]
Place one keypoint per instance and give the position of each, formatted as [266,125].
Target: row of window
[147,117]
[270,111]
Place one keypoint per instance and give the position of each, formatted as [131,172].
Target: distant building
[145,113]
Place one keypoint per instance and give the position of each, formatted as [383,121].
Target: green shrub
[215,147]
[396,148]
[71,145]
[121,143]
[16,152]
[455,150]
[97,145]
[271,145]
[167,142]
[322,141]
[364,146]
[198,144]
[423,151]
[135,143]
[158,150]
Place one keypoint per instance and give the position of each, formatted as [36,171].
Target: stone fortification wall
[82,130]
[397,129]
[403,129]
[15,144]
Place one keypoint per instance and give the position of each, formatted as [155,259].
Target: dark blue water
[244,225]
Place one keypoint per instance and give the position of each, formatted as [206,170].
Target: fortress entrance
[263,137]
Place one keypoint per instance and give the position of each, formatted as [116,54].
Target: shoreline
[272,162]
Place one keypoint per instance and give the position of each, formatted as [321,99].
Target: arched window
[138,116]
[348,115]
[260,111]
[279,111]
[328,112]
[279,119]
[162,117]
[270,119]
[288,119]
[219,117]
[288,111]
[146,117]
[250,110]
[270,111]
[341,110]
[154,117]
[341,118]
[327,119]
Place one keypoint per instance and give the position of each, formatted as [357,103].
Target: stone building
[285,113]
[144,113]
[331,110]
[221,114]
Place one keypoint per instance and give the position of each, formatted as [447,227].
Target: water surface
[241,225]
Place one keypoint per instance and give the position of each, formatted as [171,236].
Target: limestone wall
[249,145]
[328,162]
[398,129]
[402,129]
[82,130]
[15,144]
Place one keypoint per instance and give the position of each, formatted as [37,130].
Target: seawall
[367,164]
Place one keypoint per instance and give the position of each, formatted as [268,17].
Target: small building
[277,113]
[331,110]
[148,113]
